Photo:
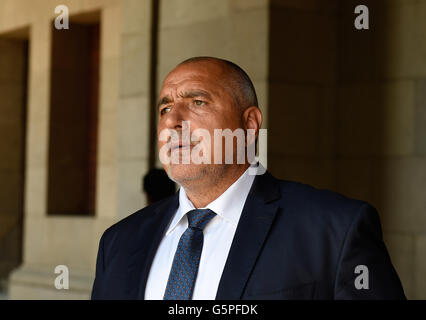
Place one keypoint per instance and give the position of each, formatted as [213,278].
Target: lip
[180,146]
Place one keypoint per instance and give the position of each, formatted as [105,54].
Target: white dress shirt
[218,236]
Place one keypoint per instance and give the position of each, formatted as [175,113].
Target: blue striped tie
[180,285]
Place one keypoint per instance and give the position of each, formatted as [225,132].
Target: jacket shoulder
[130,223]
[322,203]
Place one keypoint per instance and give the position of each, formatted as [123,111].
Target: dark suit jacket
[292,242]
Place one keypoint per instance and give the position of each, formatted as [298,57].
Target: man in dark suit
[228,234]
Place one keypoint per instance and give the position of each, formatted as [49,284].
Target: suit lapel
[256,220]
[146,245]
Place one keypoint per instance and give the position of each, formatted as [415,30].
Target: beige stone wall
[134,105]
[53,240]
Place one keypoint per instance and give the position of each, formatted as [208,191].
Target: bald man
[231,234]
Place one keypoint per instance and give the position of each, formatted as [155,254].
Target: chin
[183,173]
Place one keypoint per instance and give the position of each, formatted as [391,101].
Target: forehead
[206,75]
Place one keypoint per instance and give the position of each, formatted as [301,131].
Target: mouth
[180,146]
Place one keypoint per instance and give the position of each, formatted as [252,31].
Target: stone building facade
[345,110]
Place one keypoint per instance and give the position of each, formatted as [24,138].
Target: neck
[204,192]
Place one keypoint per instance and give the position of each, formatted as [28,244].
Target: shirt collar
[228,205]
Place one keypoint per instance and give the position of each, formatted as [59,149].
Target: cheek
[234,121]
[215,120]
[162,136]
[160,143]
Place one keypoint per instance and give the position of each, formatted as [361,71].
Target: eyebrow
[186,94]
[164,100]
[195,94]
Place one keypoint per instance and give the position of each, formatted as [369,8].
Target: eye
[199,102]
[164,110]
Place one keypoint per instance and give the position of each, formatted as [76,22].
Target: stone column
[133,110]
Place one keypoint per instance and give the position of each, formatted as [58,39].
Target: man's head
[211,94]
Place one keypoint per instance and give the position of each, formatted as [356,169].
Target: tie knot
[199,218]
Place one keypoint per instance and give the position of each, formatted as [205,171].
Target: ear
[252,118]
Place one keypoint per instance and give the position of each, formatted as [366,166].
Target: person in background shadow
[157,185]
